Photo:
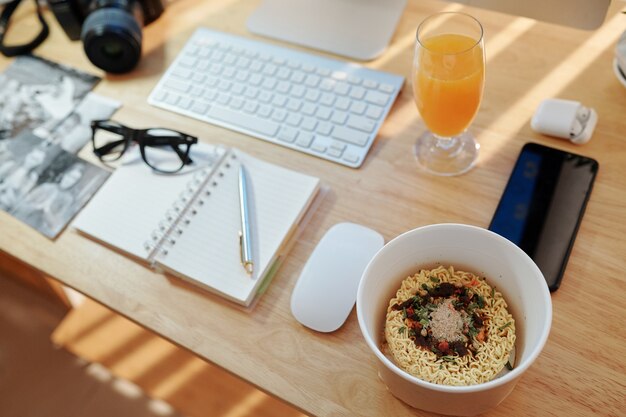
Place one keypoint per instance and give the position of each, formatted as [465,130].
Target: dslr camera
[110,29]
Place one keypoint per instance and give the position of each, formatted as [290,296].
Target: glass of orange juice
[448,78]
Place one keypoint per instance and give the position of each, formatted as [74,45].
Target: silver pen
[245,236]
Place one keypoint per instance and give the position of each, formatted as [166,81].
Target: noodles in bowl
[449,327]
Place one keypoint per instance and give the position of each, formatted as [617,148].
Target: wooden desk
[582,369]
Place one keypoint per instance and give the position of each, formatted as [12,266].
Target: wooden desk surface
[582,370]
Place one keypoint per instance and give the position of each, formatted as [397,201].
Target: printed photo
[43,185]
[36,92]
[74,132]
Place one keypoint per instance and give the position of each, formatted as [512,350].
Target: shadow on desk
[161,369]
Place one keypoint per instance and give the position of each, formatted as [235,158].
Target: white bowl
[466,248]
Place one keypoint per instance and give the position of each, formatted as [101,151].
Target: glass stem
[449,145]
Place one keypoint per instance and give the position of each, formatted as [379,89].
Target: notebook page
[132,203]
[208,251]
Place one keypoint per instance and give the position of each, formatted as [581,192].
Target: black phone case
[546,150]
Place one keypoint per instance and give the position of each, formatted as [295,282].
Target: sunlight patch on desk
[505,38]
[175,21]
[175,381]
[558,78]
[247,405]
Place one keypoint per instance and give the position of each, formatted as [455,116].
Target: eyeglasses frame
[143,139]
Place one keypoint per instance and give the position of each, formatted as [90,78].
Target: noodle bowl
[449,327]
[507,268]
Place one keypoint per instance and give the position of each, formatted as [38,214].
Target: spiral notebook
[189,224]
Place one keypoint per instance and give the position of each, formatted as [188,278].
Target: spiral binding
[197,191]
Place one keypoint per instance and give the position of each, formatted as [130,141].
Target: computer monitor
[361,29]
[358,29]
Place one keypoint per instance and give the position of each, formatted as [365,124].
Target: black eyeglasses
[164,150]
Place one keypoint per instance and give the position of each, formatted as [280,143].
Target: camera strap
[14,50]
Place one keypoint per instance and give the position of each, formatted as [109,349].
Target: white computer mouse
[326,290]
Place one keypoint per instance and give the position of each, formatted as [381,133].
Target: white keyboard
[323,107]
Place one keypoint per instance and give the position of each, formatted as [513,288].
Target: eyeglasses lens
[166,150]
[108,145]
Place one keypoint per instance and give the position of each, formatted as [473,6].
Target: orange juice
[449,82]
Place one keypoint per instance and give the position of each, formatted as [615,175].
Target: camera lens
[112,39]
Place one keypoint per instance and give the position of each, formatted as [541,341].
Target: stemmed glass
[448,78]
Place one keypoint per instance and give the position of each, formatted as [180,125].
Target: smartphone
[543,204]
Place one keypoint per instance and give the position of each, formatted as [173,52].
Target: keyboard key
[351,157]
[251,92]
[293,104]
[361,123]
[255,124]
[298,77]
[185,102]
[339,117]
[236,103]
[287,134]
[200,108]
[297,91]
[327,99]
[265,97]
[172,99]
[338,145]
[312,95]
[342,88]
[255,80]
[304,139]
[269,83]
[279,115]
[279,100]
[374,111]
[353,79]
[386,88]
[324,113]
[312,80]
[294,119]
[283,73]
[180,86]
[377,98]
[349,135]
[342,103]
[308,109]
[334,152]
[358,107]
[308,123]
[319,147]
[324,128]
[250,107]
[264,111]
[182,73]
[357,93]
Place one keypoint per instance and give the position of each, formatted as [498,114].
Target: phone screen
[543,204]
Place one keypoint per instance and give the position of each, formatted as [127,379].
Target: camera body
[111,30]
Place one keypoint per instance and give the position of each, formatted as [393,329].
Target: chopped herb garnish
[472,330]
[404,315]
[449,358]
[504,326]
[424,322]
[434,279]
[425,286]
[402,329]
[493,296]
[509,366]
[480,301]
[435,350]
